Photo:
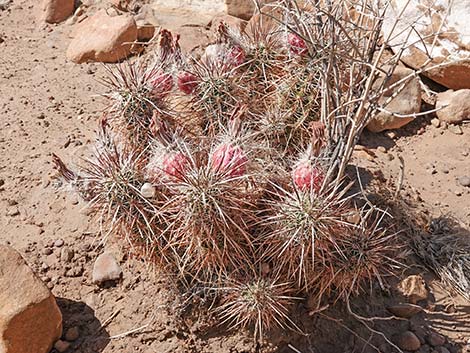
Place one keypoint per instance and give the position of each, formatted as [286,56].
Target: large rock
[30,320]
[55,11]
[103,38]
[455,106]
[449,18]
[406,102]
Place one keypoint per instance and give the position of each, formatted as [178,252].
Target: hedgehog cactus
[296,44]
[236,55]
[187,82]
[229,160]
[160,83]
[204,182]
[307,177]
[175,165]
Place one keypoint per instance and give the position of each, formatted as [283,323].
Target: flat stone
[455,129]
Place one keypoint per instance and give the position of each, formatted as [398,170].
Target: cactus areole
[229,160]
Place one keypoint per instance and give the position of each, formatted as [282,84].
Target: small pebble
[72,334]
[455,129]
[408,341]
[61,346]
[148,190]
[382,149]
[66,254]
[58,243]
[435,339]
[13,211]
[47,251]
[436,122]
[464,181]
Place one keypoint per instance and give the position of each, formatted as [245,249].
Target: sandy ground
[50,105]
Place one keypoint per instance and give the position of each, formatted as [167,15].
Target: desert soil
[49,105]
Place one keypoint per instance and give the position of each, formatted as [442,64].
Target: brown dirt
[49,105]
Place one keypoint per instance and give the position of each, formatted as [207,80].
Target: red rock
[103,38]
[30,320]
[55,11]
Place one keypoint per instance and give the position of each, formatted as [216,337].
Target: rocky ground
[50,105]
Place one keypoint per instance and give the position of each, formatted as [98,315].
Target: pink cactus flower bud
[307,177]
[160,83]
[297,44]
[187,82]
[176,165]
[229,160]
[236,56]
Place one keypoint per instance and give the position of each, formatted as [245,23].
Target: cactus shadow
[93,337]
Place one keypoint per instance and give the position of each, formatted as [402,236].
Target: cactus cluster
[222,171]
